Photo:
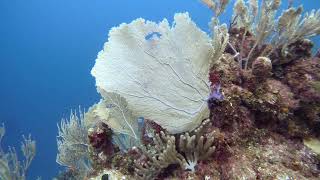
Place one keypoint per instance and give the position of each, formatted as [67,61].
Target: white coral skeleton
[160,70]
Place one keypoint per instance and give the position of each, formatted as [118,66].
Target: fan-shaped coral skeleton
[161,71]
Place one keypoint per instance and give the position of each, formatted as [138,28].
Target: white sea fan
[120,117]
[161,71]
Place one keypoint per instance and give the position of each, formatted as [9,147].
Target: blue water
[47,49]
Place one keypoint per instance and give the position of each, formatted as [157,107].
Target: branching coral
[160,155]
[10,166]
[191,148]
[196,146]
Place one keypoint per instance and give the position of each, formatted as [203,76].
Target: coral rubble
[177,104]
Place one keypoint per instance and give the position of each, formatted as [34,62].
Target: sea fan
[113,111]
[120,118]
[161,71]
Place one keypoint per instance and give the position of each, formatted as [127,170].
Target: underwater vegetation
[242,102]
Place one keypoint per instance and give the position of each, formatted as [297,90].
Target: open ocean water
[47,49]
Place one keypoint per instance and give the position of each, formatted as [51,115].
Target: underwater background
[47,50]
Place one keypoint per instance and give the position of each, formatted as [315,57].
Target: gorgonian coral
[179,103]
[73,143]
[11,168]
[138,68]
[288,28]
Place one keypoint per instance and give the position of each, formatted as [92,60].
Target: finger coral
[196,146]
[166,150]
[160,155]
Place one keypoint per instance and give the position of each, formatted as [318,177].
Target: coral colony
[177,103]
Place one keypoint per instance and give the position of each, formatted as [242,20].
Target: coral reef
[178,104]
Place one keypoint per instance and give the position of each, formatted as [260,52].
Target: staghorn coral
[10,166]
